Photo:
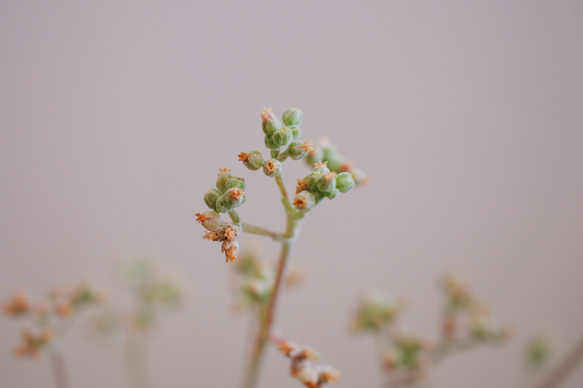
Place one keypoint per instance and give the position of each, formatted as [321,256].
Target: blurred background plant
[154,292]
[47,321]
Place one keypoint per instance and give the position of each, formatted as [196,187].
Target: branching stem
[267,317]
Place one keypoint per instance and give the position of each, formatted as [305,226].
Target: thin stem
[135,363]
[252,229]
[291,232]
[448,346]
[284,198]
[59,370]
[557,375]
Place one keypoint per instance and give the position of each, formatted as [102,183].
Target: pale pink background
[115,117]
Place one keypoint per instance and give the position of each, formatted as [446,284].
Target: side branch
[557,375]
[252,229]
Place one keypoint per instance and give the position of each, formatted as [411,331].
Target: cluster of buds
[466,316]
[48,315]
[278,135]
[228,195]
[326,152]
[153,291]
[375,312]
[304,365]
[319,184]
[407,359]
[254,278]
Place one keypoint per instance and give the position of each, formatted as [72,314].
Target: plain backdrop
[116,115]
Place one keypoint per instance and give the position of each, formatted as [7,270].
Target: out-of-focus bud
[327,182]
[344,182]
[222,178]
[282,137]
[270,122]
[292,116]
[539,351]
[211,196]
[304,201]
[272,168]
[235,182]
[253,160]
[235,197]
[210,220]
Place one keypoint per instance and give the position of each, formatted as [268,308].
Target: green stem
[235,216]
[292,232]
[252,229]
[59,370]
[559,373]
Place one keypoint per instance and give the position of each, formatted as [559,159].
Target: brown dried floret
[243,157]
[300,202]
[236,194]
[267,115]
[301,185]
[308,147]
[18,304]
[270,166]
[201,218]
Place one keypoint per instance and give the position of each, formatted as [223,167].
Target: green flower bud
[222,205]
[222,178]
[327,182]
[297,150]
[282,137]
[304,201]
[292,116]
[235,181]
[253,160]
[312,181]
[270,122]
[211,196]
[269,143]
[235,197]
[272,168]
[332,194]
[344,182]
[296,131]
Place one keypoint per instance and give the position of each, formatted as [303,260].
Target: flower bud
[312,181]
[222,178]
[270,144]
[296,131]
[235,181]
[297,150]
[282,137]
[292,116]
[332,194]
[304,201]
[211,196]
[272,168]
[327,182]
[210,220]
[235,197]
[253,160]
[270,122]
[344,182]
[222,204]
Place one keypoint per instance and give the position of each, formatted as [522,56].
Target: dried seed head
[272,168]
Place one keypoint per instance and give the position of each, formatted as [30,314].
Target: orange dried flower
[301,186]
[236,194]
[267,114]
[319,165]
[243,157]
[200,218]
[18,304]
[300,202]
[308,147]
[221,170]
[270,166]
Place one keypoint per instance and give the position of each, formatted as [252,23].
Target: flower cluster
[407,357]
[319,184]
[467,316]
[376,311]
[228,195]
[326,152]
[48,316]
[304,365]
[153,290]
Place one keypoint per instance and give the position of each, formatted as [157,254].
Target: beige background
[115,117]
